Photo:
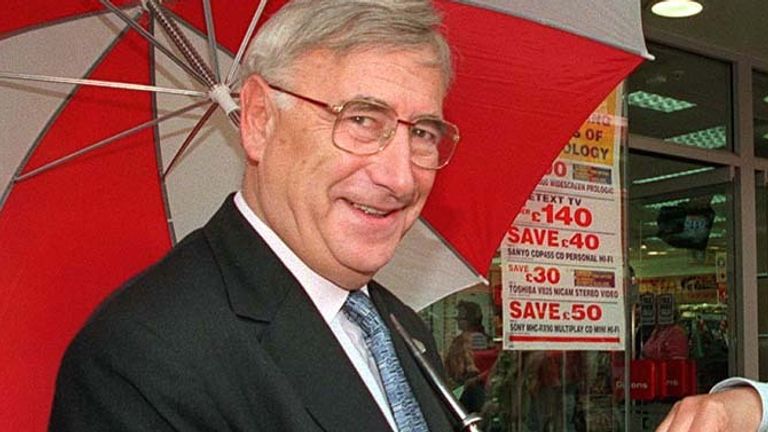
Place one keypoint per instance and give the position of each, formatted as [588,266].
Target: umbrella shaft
[468,421]
[181,42]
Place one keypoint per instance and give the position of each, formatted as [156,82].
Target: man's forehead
[401,79]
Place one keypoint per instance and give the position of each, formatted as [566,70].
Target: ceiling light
[712,138]
[677,8]
[658,205]
[672,175]
[657,102]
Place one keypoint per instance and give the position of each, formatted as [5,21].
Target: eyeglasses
[365,127]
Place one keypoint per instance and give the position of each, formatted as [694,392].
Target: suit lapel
[304,347]
[262,289]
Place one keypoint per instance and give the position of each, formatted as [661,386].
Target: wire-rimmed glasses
[365,127]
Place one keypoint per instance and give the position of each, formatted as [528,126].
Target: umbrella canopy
[528,73]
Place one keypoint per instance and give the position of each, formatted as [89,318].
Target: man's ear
[258,116]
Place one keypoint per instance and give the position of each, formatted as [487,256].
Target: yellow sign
[594,140]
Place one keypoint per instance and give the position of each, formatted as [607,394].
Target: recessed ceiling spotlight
[677,8]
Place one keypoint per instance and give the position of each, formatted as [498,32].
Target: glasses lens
[363,127]
[433,142]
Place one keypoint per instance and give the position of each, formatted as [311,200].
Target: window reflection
[682,98]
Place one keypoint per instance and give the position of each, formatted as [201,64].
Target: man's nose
[393,168]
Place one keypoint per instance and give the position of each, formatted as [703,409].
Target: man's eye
[363,121]
[425,134]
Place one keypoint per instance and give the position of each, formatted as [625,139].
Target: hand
[738,409]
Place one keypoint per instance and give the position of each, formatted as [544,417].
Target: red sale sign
[562,258]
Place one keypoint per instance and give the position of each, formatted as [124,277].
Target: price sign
[562,274]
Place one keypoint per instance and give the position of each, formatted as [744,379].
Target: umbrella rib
[245,42]
[64,159]
[101,83]
[190,137]
[212,46]
[154,41]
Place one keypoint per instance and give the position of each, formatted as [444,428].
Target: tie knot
[360,309]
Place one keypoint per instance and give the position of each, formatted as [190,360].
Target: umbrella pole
[468,421]
[182,43]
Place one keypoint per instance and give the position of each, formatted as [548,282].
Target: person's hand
[737,409]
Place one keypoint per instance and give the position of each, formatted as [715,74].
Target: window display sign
[666,307]
[647,315]
[562,257]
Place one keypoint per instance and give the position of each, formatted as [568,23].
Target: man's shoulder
[188,271]
[168,299]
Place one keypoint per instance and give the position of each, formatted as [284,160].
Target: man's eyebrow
[370,99]
[436,115]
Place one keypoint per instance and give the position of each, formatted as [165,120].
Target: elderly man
[267,319]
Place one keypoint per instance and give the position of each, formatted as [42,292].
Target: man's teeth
[369,210]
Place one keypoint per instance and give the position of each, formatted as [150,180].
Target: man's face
[343,214]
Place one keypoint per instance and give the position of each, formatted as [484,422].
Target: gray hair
[343,26]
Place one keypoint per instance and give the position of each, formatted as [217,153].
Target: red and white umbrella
[528,74]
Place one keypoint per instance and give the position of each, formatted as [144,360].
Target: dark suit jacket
[219,336]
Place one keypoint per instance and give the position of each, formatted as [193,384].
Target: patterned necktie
[405,409]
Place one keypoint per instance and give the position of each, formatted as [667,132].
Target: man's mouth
[370,211]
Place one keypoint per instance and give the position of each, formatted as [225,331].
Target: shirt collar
[327,296]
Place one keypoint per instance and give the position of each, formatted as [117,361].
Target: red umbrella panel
[71,234]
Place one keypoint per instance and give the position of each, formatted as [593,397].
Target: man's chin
[367,266]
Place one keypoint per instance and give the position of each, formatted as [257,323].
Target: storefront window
[680,253]
[760,112]
[761,201]
[682,98]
